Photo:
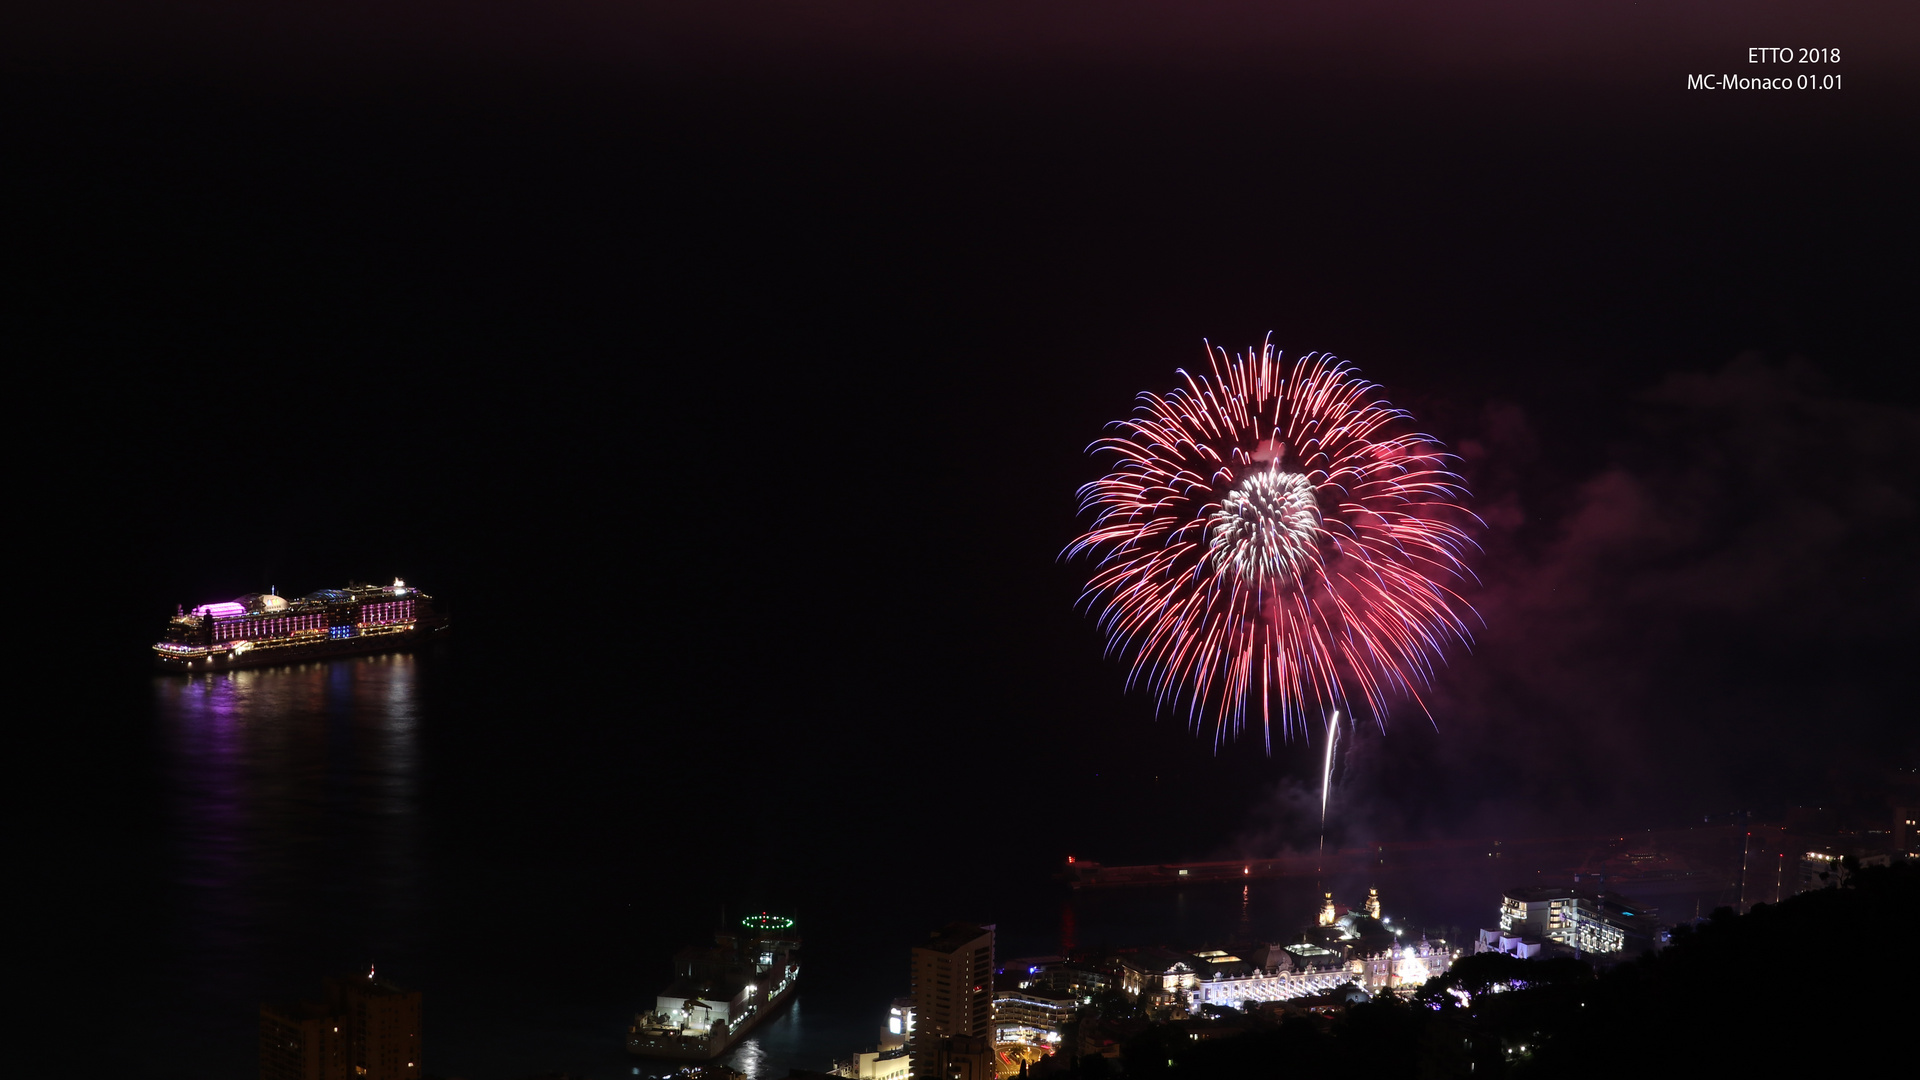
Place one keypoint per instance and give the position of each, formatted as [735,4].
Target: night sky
[753,354]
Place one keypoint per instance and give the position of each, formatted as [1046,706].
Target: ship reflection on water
[283,788]
[765,1054]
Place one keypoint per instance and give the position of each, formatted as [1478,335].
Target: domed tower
[1327,916]
[1373,903]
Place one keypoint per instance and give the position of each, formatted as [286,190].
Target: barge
[719,994]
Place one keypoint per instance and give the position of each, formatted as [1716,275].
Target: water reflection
[763,1054]
[292,804]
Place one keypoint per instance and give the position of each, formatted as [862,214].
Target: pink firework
[1275,541]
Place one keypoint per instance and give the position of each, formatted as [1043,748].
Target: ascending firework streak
[1274,539]
[1326,777]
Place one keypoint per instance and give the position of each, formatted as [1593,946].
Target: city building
[385,1033]
[302,1041]
[952,990]
[875,1064]
[1399,968]
[364,1029]
[1345,947]
[1082,981]
[1032,1016]
[1161,974]
[899,1024]
[1514,945]
[1278,973]
[1374,962]
[1598,924]
[890,1059]
[1818,869]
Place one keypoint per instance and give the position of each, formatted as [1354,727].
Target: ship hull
[278,654]
[675,1047]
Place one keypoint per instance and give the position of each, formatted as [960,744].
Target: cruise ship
[718,994]
[263,628]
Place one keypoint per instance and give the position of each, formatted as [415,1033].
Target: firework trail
[1326,779]
[1326,771]
[1271,543]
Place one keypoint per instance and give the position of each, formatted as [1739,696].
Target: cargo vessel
[718,994]
[264,628]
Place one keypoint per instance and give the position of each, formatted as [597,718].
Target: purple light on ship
[228,608]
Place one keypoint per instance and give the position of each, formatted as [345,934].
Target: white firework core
[1266,527]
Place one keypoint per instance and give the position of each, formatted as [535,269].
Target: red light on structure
[1069,860]
[1246,870]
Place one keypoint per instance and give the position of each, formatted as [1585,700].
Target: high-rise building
[365,1029]
[1591,922]
[386,1026]
[303,1041]
[952,980]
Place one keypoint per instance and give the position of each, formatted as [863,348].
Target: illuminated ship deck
[262,628]
[720,993]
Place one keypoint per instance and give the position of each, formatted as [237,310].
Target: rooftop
[1611,901]
[954,936]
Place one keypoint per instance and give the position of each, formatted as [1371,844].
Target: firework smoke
[1273,540]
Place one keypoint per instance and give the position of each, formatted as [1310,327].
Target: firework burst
[1271,541]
